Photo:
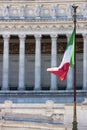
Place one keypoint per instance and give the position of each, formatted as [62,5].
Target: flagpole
[74,105]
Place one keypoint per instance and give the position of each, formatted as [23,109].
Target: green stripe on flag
[72,42]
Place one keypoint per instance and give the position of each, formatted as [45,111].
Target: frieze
[13,11]
[42,28]
[41,11]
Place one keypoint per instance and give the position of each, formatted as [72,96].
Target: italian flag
[67,61]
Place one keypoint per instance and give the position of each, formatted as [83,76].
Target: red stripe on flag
[61,72]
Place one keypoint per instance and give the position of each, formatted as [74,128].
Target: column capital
[22,36]
[6,36]
[53,36]
[37,36]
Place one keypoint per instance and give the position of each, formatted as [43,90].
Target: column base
[37,89]
[5,88]
[21,89]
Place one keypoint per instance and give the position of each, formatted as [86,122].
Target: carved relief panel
[14,11]
[46,11]
[41,10]
[1,11]
[29,11]
[61,10]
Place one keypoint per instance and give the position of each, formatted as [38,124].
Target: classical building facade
[33,37]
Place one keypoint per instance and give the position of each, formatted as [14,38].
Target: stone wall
[41,116]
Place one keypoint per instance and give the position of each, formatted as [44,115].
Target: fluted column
[70,76]
[5,83]
[85,61]
[53,60]
[38,62]
[21,85]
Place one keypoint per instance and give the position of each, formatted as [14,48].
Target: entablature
[41,16]
[46,27]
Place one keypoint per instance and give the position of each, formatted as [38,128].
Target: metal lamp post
[74,107]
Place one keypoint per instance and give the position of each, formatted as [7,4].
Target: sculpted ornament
[6,10]
[22,11]
[85,11]
[53,11]
[57,117]
[62,10]
[79,10]
[69,11]
[37,10]
[85,101]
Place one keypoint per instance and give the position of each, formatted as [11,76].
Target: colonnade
[53,84]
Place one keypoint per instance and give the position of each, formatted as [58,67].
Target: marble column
[70,76]
[5,82]
[53,61]
[21,85]
[85,61]
[38,62]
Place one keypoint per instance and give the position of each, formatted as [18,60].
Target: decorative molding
[40,17]
[85,101]
[6,36]
[58,117]
[22,37]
